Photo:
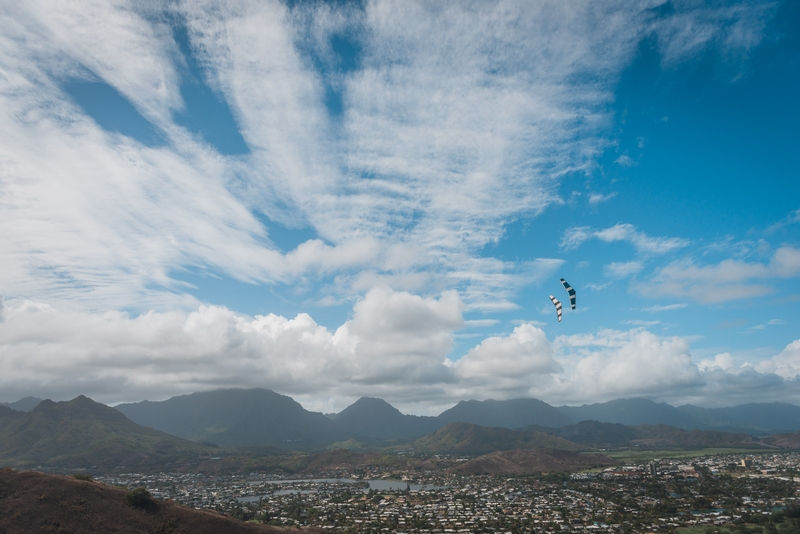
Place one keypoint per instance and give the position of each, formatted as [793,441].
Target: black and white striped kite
[570,291]
[557,304]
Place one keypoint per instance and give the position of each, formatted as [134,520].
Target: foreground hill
[376,418]
[469,439]
[84,433]
[35,502]
[524,462]
[238,418]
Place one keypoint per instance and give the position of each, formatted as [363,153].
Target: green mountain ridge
[84,433]
[473,440]
[238,418]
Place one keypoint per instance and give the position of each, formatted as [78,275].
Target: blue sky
[343,199]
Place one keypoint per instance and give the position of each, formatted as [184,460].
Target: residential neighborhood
[654,496]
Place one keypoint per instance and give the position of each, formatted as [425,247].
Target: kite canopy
[570,291]
[557,304]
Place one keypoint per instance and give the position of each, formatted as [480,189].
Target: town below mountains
[258,428]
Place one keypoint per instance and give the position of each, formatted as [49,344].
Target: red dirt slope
[528,461]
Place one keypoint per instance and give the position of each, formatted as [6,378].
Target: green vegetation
[81,433]
[645,455]
[469,439]
[141,498]
[83,476]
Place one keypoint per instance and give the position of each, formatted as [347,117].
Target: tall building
[653,468]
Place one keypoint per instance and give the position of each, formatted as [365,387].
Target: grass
[701,530]
[646,455]
[722,529]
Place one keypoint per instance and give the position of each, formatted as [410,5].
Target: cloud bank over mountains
[395,347]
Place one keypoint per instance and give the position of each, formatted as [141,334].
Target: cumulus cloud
[396,346]
[723,361]
[636,362]
[576,236]
[785,364]
[394,339]
[525,352]
[722,282]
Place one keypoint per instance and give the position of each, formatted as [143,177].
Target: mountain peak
[514,413]
[371,406]
[373,417]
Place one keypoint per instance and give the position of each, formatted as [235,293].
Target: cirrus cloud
[725,281]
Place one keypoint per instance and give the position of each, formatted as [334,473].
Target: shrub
[83,476]
[140,498]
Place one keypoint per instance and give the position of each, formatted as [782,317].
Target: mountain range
[255,425]
[375,418]
[238,418]
[258,417]
[260,422]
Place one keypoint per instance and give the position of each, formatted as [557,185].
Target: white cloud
[665,307]
[725,281]
[395,346]
[621,270]
[597,198]
[576,236]
[625,161]
[597,287]
[122,43]
[634,363]
[792,218]
[690,29]
[640,322]
[454,121]
[723,361]
[395,340]
[525,352]
[480,323]
[785,364]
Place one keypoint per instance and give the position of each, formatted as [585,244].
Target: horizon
[348,199]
